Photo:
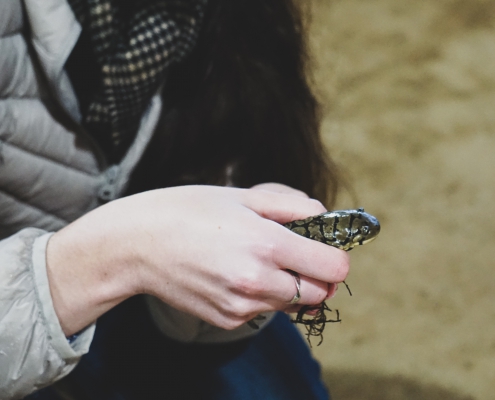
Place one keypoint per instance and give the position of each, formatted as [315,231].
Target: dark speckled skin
[343,229]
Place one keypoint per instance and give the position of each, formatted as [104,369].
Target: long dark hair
[240,109]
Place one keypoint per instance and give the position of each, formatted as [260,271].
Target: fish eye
[365,229]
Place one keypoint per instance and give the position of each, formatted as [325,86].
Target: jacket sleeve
[33,349]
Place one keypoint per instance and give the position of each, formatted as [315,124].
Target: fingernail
[332,290]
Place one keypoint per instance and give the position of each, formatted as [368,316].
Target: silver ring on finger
[297,281]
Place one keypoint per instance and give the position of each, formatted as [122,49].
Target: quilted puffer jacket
[51,173]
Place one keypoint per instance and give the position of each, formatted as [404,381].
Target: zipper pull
[107,191]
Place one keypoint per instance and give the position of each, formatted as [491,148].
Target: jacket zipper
[108,190]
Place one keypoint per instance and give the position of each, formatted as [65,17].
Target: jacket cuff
[67,351]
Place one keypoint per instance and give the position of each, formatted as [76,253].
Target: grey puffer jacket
[51,173]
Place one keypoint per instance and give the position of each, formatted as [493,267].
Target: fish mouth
[368,240]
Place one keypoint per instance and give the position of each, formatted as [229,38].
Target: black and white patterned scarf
[133,41]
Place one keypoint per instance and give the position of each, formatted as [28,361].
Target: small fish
[343,229]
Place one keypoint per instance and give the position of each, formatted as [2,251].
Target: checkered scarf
[133,41]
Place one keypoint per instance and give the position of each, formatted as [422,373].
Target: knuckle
[339,267]
[230,324]
[315,293]
[267,251]
[249,284]
[239,308]
[342,270]
[233,324]
[320,296]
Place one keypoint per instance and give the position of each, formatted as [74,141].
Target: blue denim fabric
[130,359]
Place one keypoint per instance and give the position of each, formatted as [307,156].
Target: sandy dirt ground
[408,89]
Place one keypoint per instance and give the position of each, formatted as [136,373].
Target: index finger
[281,207]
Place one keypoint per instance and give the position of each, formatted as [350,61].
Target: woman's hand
[214,252]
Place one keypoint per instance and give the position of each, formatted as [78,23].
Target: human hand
[216,253]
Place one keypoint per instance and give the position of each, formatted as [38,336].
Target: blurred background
[408,93]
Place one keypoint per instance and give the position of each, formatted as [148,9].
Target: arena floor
[409,113]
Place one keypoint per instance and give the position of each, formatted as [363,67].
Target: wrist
[88,275]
